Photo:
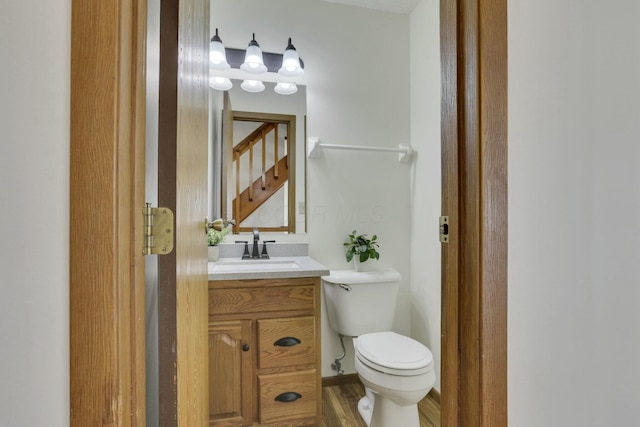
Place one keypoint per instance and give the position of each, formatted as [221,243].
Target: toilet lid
[389,351]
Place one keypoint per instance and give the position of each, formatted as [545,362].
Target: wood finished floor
[339,407]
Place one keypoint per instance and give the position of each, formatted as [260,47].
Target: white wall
[356,69]
[574,213]
[34,214]
[426,178]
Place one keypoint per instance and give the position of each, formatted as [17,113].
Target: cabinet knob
[245,347]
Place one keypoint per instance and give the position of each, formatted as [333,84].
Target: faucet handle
[264,248]
[245,254]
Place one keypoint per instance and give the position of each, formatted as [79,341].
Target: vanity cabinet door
[230,373]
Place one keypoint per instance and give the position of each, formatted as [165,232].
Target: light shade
[253,62]
[285,88]
[217,54]
[220,83]
[252,85]
[291,62]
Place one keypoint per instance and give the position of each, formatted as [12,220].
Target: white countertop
[272,268]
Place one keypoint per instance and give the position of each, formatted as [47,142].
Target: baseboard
[340,380]
[434,395]
[353,378]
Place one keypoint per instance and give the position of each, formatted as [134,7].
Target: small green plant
[361,245]
[216,237]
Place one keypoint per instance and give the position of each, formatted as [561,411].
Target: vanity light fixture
[220,83]
[217,54]
[286,88]
[253,62]
[252,85]
[290,62]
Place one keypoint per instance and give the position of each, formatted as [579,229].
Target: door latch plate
[444,229]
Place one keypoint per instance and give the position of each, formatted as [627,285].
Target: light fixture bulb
[291,62]
[220,83]
[253,62]
[217,54]
[286,88]
[252,85]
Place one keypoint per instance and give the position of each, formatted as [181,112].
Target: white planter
[361,266]
[214,253]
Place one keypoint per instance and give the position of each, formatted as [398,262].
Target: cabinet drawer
[287,396]
[261,300]
[286,342]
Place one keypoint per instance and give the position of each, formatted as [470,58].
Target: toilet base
[364,408]
[386,413]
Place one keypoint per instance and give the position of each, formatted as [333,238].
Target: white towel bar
[314,145]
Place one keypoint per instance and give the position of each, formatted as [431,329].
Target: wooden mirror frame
[227,158]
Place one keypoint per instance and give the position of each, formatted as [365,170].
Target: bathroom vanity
[264,342]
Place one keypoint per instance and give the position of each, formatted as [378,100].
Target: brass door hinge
[444,229]
[158,230]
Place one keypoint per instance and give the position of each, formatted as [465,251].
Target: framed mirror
[257,164]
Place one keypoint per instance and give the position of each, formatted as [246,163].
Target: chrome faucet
[256,237]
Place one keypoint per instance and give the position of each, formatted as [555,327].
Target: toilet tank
[361,302]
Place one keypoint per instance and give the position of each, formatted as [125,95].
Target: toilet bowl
[397,372]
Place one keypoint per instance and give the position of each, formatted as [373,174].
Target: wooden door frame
[474,196]
[107,190]
[107,152]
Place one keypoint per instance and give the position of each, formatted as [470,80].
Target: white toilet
[396,370]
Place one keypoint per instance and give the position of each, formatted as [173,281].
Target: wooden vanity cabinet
[264,352]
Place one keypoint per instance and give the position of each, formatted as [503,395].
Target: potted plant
[215,237]
[360,248]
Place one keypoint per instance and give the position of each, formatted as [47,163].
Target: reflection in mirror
[261,182]
[257,145]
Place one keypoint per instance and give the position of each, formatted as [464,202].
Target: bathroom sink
[273,268]
[253,265]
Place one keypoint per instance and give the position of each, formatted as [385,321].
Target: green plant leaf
[362,246]
[215,237]
[349,256]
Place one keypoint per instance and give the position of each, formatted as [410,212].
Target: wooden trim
[340,380]
[292,160]
[493,211]
[107,353]
[182,186]
[290,121]
[474,121]
[449,381]
[137,266]
[167,131]
[435,395]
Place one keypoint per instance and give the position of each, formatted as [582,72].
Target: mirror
[257,143]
